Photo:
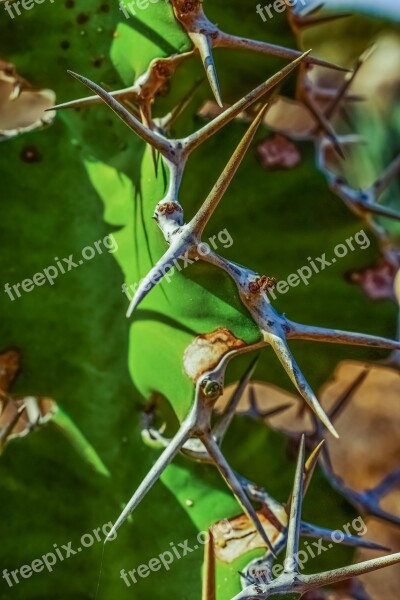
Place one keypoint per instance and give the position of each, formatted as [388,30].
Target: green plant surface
[95,178]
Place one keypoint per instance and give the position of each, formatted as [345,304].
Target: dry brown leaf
[22,108]
[242,536]
[19,415]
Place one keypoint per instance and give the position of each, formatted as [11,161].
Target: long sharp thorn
[378,209]
[152,476]
[310,465]
[313,21]
[233,111]
[143,132]
[390,174]
[309,530]
[156,275]
[204,46]
[309,469]
[294,527]
[201,219]
[288,362]
[234,484]
[92,100]
[176,112]
[347,395]
[231,41]
[229,412]
[337,575]
[326,127]
[349,79]
[379,513]
[387,484]
[336,336]
[209,590]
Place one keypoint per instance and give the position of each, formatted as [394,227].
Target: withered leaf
[22,107]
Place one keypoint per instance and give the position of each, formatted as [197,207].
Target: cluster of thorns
[197,437]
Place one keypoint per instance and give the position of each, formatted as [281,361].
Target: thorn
[143,132]
[325,126]
[288,362]
[387,484]
[225,420]
[313,21]
[158,272]
[347,395]
[176,112]
[293,532]
[152,476]
[378,209]
[335,336]
[232,41]
[234,484]
[349,79]
[309,530]
[337,575]
[199,222]
[197,138]
[310,466]
[202,42]
[92,100]
[309,469]
[387,178]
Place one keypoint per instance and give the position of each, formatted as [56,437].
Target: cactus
[194,315]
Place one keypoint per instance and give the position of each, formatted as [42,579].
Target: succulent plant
[194,315]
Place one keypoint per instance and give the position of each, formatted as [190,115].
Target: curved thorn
[288,362]
[293,532]
[233,111]
[337,575]
[152,476]
[200,220]
[234,484]
[202,42]
[152,138]
[157,273]
[225,420]
[336,336]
